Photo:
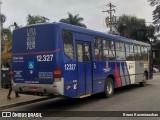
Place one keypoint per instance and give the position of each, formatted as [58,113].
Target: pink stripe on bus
[28,53]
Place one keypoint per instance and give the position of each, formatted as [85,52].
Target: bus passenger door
[84,69]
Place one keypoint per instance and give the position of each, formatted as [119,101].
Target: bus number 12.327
[70,66]
[43,58]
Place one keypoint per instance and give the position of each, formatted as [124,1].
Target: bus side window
[108,50]
[117,50]
[98,49]
[120,51]
[131,53]
[80,52]
[87,52]
[127,52]
[135,52]
[105,49]
[111,50]
[139,53]
[142,52]
[68,44]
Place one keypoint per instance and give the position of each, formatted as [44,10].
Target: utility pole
[111,19]
[0,47]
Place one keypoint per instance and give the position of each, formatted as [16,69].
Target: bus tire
[109,88]
[144,82]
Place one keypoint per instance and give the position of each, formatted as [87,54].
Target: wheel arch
[113,78]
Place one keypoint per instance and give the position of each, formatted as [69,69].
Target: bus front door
[84,63]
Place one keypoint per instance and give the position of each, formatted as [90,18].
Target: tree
[6,34]
[134,28]
[2,19]
[154,2]
[31,19]
[6,44]
[156,13]
[151,32]
[6,37]
[74,20]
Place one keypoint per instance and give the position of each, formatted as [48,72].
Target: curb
[3,89]
[24,103]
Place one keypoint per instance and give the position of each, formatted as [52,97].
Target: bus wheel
[144,82]
[109,88]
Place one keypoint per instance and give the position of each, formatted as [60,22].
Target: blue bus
[62,59]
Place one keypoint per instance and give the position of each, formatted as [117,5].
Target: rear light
[57,73]
[33,89]
[54,86]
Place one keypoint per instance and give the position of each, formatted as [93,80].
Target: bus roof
[92,32]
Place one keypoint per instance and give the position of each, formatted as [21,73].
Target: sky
[90,10]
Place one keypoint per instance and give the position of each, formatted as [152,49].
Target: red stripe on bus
[117,76]
[28,53]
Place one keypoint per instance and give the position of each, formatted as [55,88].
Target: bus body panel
[36,53]
[81,79]
[89,82]
[136,70]
[139,71]
[70,78]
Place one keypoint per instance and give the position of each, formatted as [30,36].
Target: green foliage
[2,18]
[6,37]
[151,33]
[134,28]
[154,2]
[156,13]
[156,61]
[74,20]
[156,18]
[36,19]
[6,57]
[156,44]
[6,34]
[6,44]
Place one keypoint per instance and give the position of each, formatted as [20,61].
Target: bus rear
[36,59]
